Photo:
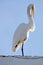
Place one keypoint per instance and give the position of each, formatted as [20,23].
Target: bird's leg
[22,50]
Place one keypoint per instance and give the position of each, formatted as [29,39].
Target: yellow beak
[32,11]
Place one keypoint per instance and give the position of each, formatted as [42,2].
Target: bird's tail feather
[17,47]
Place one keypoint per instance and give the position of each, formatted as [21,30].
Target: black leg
[22,50]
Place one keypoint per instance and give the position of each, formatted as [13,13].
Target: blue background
[14,12]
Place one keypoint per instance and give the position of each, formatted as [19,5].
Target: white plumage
[22,32]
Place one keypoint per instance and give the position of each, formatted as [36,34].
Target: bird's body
[22,33]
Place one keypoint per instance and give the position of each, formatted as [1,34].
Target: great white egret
[22,32]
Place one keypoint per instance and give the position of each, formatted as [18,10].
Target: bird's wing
[19,36]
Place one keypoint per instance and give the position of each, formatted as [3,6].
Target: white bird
[22,32]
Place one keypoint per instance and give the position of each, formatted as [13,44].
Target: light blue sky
[14,12]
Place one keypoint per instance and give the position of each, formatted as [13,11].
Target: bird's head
[30,10]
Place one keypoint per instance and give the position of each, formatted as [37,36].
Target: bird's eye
[32,7]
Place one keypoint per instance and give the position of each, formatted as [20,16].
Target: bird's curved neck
[30,23]
[31,19]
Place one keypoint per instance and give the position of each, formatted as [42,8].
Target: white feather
[22,32]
